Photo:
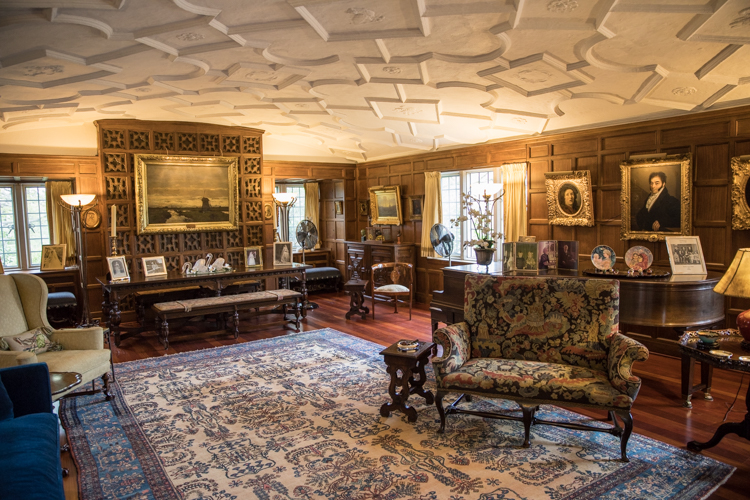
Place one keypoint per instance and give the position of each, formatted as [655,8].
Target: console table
[662,307]
[115,290]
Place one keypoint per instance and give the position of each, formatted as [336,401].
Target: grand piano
[655,311]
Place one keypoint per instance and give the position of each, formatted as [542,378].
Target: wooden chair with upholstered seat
[392,280]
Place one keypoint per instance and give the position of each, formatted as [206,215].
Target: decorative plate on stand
[639,258]
[603,257]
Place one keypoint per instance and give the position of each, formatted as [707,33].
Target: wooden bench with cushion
[252,302]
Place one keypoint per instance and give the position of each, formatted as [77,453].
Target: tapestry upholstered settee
[540,341]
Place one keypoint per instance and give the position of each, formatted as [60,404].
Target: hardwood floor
[658,412]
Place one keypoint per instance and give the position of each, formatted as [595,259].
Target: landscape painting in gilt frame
[181,194]
[655,197]
[385,205]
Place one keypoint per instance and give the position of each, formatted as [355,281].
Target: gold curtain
[312,206]
[514,200]
[61,224]
[433,210]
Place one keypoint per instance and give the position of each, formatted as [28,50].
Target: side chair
[392,280]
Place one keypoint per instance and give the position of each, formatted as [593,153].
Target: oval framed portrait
[91,219]
[569,199]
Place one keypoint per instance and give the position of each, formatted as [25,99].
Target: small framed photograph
[339,207]
[154,266]
[253,256]
[53,257]
[118,268]
[569,198]
[685,255]
[364,207]
[282,253]
[416,204]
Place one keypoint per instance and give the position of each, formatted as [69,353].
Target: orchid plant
[479,212]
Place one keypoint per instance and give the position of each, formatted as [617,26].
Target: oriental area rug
[297,417]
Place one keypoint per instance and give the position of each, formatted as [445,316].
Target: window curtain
[514,200]
[61,225]
[312,206]
[433,210]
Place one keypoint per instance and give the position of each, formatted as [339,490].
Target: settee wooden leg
[467,397]
[440,409]
[528,421]
[627,420]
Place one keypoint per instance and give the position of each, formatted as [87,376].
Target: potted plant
[480,210]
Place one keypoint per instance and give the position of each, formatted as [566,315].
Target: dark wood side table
[727,340]
[61,382]
[356,289]
[409,363]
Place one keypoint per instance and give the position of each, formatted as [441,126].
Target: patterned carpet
[296,417]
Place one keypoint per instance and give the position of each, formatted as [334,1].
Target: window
[24,224]
[297,212]
[452,184]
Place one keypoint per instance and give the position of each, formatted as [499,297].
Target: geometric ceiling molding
[368,79]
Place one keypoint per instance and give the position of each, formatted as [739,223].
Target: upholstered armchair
[24,305]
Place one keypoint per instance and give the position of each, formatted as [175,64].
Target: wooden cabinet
[361,255]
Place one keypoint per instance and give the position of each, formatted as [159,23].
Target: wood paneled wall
[86,176]
[712,138]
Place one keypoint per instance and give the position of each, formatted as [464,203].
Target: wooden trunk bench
[252,302]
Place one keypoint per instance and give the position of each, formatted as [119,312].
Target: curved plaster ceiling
[358,80]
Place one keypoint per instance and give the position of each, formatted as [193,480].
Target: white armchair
[23,307]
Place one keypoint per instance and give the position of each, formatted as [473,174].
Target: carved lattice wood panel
[119,140]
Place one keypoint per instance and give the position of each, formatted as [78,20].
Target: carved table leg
[236,323]
[115,318]
[688,365]
[416,385]
[742,429]
[399,398]
[165,333]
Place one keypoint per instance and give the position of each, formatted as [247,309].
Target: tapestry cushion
[4,344]
[392,289]
[566,321]
[6,405]
[35,341]
[542,382]
[30,458]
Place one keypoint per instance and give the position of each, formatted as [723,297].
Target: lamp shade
[736,281]
[284,198]
[485,189]
[77,200]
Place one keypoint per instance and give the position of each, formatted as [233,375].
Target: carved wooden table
[727,340]
[409,363]
[356,289]
[61,382]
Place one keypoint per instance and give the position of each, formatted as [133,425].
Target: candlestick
[114,221]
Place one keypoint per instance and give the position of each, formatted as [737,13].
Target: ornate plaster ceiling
[366,79]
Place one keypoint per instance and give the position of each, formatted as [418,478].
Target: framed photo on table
[685,255]
[655,197]
[53,257]
[253,257]
[154,266]
[282,253]
[118,268]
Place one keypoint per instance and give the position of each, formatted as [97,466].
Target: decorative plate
[639,258]
[744,359]
[603,257]
[91,219]
[721,354]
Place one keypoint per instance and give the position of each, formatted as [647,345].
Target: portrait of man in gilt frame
[655,197]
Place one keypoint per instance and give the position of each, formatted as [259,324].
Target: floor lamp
[284,201]
[75,203]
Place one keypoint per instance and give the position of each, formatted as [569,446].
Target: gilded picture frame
[364,207]
[569,198]
[668,213]
[740,192]
[416,205]
[185,194]
[385,205]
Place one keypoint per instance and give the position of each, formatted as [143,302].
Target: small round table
[726,340]
[62,381]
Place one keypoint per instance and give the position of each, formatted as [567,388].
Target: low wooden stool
[410,363]
[356,289]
